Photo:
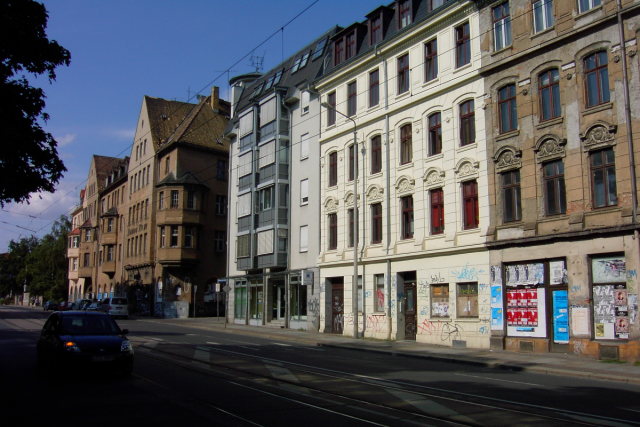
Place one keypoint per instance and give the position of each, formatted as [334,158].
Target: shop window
[611,305]
[298,301]
[378,283]
[240,300]
[440,300]
[257,302]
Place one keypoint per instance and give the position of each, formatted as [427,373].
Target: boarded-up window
[268,111]
[267,154]
[244,164]
[244,205]
[246,124]
[265,242]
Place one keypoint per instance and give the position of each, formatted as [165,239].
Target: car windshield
[119,301]
[89,325]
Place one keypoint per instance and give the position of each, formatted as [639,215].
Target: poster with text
[557,273]
[560,317]
[527,319]
[608,270]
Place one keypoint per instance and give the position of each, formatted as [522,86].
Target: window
[191,199]
[434,4]
[436,198]
[110,253]
[435,134]
[351,230]
[585,5]
[221,205]
[221,170]
[219,240]
[467,299]
[554,190]
[549,94]
[298,300]
[304,146]
[267,154]
[352,99]
[304,238]
[376,154]
[470,202]
[375,29]
[163,237]
[174,236]
[360,294]
[174,198]
[333,169]
[338,51]
[264,242]
[166,164]
[243,246]
[501,26]
[353,166]
[596,79]
[507,110]
[374,88]
[87,235]
[376,223]
[430,60]
[403,73]
[467,123]
[304,192]
[305,99]
[350,48]
[542,15]
[86,260]
[511,196]
[378,286]
[440,300]
[404,13]
[331,112]
[463,45]
[406,204]
[603,178]
[188,237]
[109,225]
[406,145]
[317,52]
[265,199]
[333,231]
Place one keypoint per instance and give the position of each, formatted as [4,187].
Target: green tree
[13,272]
[47,263]
[29,159]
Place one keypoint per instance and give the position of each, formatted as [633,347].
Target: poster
[496,275]
[609,269]
[579,321]
[524,274]
[557,273]
[611,312]
[497,312]
[560,317]
[526,312]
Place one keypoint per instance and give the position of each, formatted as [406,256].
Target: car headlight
[126,346]
[71,346]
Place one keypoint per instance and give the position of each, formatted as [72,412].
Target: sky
[122,50]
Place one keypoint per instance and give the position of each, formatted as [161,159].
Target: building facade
[405,84]
[563,235]
[274,224]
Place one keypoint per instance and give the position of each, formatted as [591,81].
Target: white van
[116,307]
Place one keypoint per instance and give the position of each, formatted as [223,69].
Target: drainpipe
[226,294]
[627,115]
[287,307]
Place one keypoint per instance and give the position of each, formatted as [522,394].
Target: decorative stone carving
[405,185]
[598,136]
[507,158]
[467,168]
[375,193]
[549,147]
[433,177]
[331,205]
[348,199]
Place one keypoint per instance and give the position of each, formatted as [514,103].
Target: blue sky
[122,50]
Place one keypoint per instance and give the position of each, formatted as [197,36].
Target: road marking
[498,379]
[249,348]
[212,343]
[282,344]
[430,407]
[282,373]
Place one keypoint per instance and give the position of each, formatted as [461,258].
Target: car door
[47,341]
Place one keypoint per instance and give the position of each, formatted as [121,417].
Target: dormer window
[350,45]
[338,51]
[375,29]
[300,62]
[317,53]
[405,14]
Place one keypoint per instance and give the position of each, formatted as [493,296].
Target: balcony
[108,267]
[178,256]
[108,238]
[85,272]
[73,275]
[179,216]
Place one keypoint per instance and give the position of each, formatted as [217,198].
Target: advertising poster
[496,275]
[524,274]
[557,273]
[611,312]
[560,317]
[497,312]
[579,321]
[609,269]
[526,312]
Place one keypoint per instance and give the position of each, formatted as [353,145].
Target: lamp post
[354,284]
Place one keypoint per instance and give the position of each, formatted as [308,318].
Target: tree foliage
[29,159]
[13,274]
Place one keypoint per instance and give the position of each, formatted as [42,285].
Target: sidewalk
[544,363]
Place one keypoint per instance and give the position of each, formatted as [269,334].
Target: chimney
[215,99]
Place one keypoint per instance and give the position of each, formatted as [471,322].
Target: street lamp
[354,284]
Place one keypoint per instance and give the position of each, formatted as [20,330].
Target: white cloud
[125,134]
[66,139]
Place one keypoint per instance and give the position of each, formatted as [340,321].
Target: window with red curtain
[470,203]
[437,211]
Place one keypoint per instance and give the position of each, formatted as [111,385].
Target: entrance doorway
[410,306]
[337,305]
[278,299]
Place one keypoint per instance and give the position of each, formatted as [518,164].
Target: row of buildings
[454,172]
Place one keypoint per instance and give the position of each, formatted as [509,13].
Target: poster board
[526,312]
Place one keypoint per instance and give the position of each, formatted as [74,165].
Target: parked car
[76,338]
[94,306]
[50,305]
[116,306]
[80,304]
[63,306]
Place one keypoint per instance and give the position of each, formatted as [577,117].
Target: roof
[103,166]
[289,74]
[185,179]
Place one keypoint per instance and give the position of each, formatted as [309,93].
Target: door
[410,315]
[337,308]
[278,301]
[560,320]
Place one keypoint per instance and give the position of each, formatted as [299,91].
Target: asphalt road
[192,377]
